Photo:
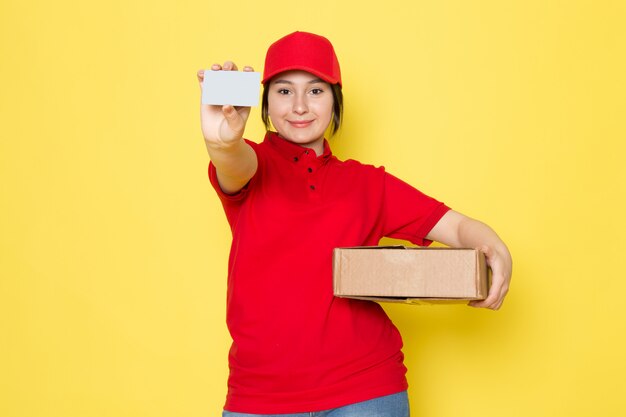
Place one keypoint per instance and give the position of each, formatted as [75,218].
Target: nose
[300,105]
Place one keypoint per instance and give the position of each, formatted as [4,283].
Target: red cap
[303,51]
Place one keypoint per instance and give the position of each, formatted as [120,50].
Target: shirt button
[306,152]
[310,169]
[295,159]
[312,187]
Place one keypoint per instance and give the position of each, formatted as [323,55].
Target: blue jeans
[395,405]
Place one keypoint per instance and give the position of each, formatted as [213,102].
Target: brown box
[410,274]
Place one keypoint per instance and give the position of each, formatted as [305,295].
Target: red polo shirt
[296,347]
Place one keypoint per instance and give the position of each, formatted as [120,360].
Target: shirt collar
[291,150]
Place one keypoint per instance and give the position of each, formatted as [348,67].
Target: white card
[237,88]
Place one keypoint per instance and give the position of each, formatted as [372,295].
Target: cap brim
[324,77]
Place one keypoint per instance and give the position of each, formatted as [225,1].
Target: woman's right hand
[223,125]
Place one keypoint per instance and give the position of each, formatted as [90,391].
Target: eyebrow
[313,81]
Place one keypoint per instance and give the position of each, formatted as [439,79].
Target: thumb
[232,117]
[486,250]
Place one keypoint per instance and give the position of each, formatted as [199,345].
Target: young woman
[289,201]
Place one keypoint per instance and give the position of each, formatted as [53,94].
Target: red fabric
[296,347]
[303,51]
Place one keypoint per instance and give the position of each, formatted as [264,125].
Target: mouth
[300,123]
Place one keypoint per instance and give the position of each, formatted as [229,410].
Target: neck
[317,145]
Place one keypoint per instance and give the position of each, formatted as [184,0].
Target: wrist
[220,145]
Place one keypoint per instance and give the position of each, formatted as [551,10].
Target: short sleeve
[408,213]
[239,195]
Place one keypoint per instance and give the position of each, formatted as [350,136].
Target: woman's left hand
[501,270]
[459,231]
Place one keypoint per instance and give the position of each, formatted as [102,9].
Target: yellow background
[113,246]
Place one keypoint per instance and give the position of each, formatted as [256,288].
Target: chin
[304,140]
[301,139]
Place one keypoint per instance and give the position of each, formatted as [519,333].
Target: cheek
[276,108]
[325,109]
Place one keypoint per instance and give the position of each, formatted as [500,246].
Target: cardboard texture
[410,274]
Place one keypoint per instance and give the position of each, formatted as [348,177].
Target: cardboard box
[410,274]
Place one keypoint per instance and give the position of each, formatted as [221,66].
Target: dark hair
[335,122]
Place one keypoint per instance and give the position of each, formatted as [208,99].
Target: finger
[216,67]
[494,300]
[244,112]
[492,304]
[487,251]
[496,293]
[233,118]
[490,300]
[229,66]
[200,75]
[248,68]
[486,303]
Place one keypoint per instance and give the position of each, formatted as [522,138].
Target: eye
[283,91]
[316,91]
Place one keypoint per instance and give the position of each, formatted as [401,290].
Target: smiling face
[300,106]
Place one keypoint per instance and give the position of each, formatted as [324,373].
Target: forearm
[459,231]
[223,127]
[475,234]
[235,164]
